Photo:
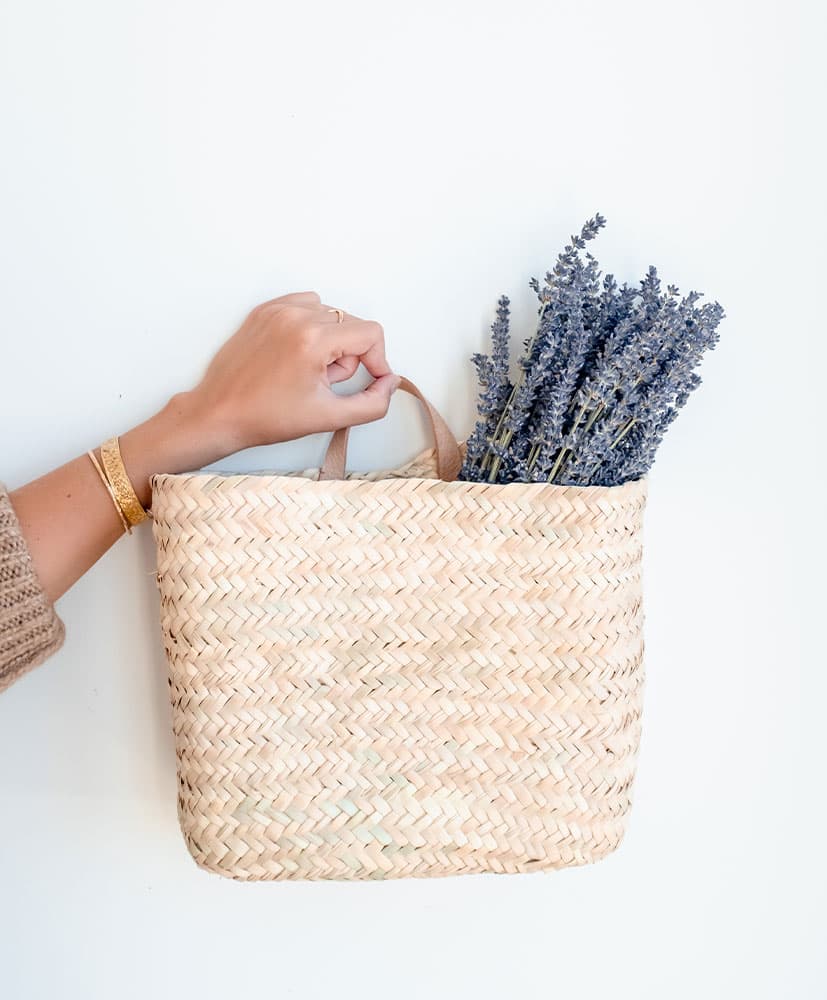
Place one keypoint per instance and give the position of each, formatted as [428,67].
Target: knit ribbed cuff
[30,629]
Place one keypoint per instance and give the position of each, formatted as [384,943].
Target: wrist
[180,437]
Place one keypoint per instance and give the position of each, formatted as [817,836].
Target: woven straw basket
[400,674]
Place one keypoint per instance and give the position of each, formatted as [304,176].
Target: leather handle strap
[448,456]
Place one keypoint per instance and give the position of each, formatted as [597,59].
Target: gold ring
[341,313]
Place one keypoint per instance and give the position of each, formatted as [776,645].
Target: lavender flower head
[599,382]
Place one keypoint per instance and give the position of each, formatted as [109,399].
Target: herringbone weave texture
[392,675]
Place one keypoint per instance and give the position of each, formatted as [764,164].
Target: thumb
[369,404]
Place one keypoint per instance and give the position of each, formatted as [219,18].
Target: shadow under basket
[399,673]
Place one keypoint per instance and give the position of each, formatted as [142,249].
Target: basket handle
[448,456]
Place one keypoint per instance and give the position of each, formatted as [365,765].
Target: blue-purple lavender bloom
[599,382]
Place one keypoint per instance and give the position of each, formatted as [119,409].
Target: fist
[272,380]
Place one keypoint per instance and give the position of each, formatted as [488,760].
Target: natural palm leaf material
[398,675]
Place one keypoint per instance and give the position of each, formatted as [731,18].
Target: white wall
[165,166]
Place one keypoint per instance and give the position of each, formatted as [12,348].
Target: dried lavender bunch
[599,382]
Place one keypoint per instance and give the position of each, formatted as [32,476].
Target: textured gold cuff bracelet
[121,483]
[126,526]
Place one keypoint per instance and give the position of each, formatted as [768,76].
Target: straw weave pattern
[391,675]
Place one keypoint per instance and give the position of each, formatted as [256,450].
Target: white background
[167,165]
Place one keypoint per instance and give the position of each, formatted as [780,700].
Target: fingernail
[397,381]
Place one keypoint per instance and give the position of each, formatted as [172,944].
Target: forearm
[67,516]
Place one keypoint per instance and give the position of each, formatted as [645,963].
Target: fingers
[369,404]
[361,338]
[341,370]
[353,338]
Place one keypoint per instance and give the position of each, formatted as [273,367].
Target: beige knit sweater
[30,629]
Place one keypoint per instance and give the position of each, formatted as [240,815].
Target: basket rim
[229,480]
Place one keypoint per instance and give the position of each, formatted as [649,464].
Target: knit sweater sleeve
[30,629]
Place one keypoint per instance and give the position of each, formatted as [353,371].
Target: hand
[272,380]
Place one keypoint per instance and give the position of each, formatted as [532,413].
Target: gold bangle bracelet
[121,483]
[126,526]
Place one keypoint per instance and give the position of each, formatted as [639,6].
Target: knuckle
[376,329]
[264,310]
[302,298]
[292,315]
